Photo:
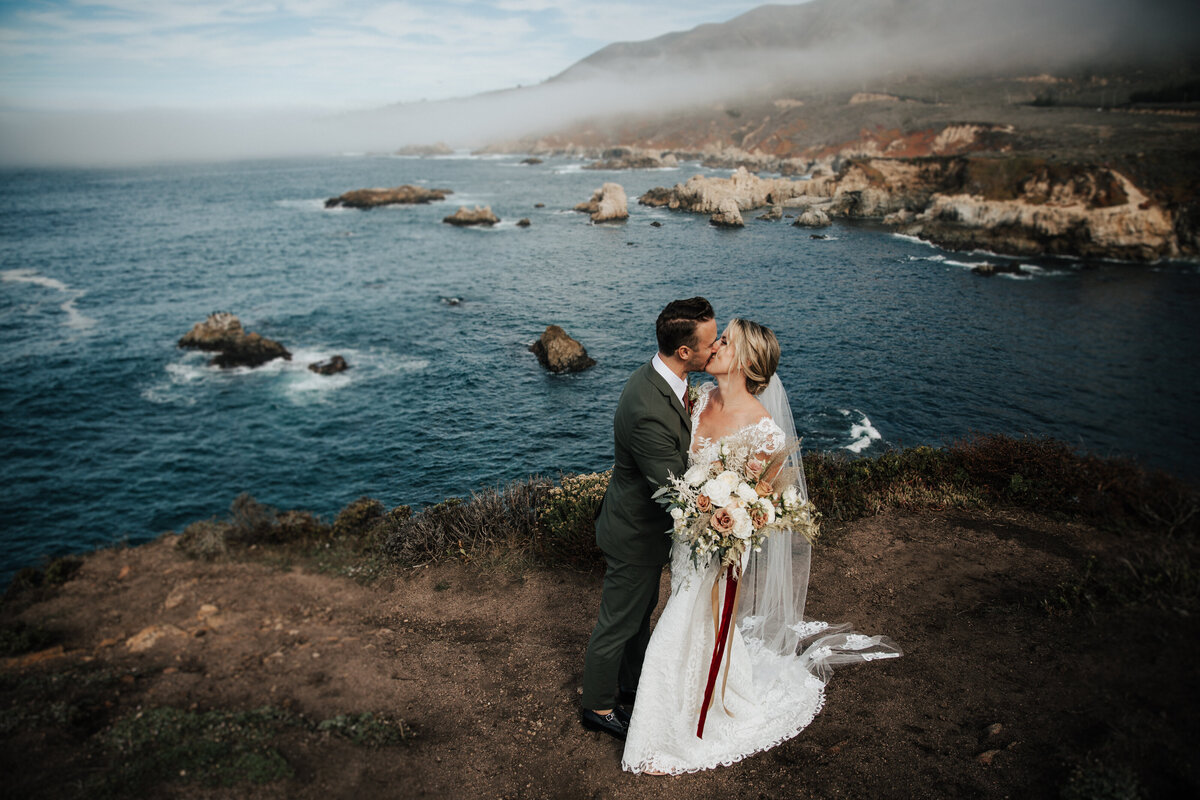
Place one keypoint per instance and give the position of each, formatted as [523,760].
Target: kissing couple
[708,687]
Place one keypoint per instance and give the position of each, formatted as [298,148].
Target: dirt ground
[994,697]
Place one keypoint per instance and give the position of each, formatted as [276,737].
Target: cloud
[219,53]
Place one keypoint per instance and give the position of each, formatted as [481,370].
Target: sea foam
[862,432]
[75,318]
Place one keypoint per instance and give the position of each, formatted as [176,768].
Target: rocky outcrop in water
[331,367]
[222,333]
[707,195]
[558,352]
[727,215]
[633,158]
[480,215]
[812,218]
[608,204]
[398,195]
[1014,206]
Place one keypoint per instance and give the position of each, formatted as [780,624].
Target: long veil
[774,585]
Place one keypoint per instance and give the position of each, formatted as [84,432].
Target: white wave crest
[189,377]
[914,239]
[75,318]
[862,432]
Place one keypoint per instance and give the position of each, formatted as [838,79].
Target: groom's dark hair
[676,325]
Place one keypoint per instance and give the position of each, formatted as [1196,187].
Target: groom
[652,434]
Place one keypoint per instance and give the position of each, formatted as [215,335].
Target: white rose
[747,493]
[696,475]
[676,513]
[730,478]
[717,491]
[742,527]
[791,497]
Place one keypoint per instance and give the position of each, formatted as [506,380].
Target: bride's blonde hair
[755,352]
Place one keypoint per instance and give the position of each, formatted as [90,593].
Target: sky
[114,55]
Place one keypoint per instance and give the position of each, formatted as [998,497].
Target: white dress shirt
[677,384]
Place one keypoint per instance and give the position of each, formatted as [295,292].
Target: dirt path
[994,696]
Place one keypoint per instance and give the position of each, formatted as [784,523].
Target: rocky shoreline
[1017,180]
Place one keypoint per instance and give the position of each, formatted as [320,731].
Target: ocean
[110,433]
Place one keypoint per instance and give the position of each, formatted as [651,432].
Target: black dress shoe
[626,697]
[615,723]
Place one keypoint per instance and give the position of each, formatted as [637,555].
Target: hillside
[817,87]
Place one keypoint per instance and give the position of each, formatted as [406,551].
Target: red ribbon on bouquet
[723,630]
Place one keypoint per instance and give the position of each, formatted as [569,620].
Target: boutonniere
[693,394]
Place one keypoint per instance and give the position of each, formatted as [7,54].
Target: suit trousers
[618,644]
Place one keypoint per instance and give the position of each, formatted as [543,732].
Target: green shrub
[250,521]
[567,521]
[61,570]
[298,526]
[844,488]
[493,521]
[20,638]
[1048,476]
[205,539]
[357,519]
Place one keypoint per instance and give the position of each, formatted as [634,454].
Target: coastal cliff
[273,654]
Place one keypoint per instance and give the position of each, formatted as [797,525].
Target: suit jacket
[651,437]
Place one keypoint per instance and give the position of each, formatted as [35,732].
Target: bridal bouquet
[729,507]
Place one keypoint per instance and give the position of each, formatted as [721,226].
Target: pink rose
[722,521]
[754,467]
[703,504]
[763,489]
[758,517]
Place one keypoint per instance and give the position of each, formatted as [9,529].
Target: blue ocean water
[109,432]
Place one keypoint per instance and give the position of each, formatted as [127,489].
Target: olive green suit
[651,437]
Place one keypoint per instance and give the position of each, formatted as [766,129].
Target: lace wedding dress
[775,684]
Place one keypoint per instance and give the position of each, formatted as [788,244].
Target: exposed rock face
[812,218]
[531,161]
[523,222]
[222,332]
[608,204]
[747,191]
[558,352]
[480,215]
[1014,206]
[219,330]
[331,367]
[633,158]
[727,215]
[399,195]
[776,212]
[656,197]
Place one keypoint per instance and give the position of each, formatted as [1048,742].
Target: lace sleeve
[770,436]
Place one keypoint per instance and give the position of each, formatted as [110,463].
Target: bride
[773,683]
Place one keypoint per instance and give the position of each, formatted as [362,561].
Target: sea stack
[558,352]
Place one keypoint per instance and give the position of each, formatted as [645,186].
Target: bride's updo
[755,352]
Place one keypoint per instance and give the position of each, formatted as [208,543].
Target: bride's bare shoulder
[753,414]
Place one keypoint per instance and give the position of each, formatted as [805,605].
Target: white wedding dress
[775,684]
